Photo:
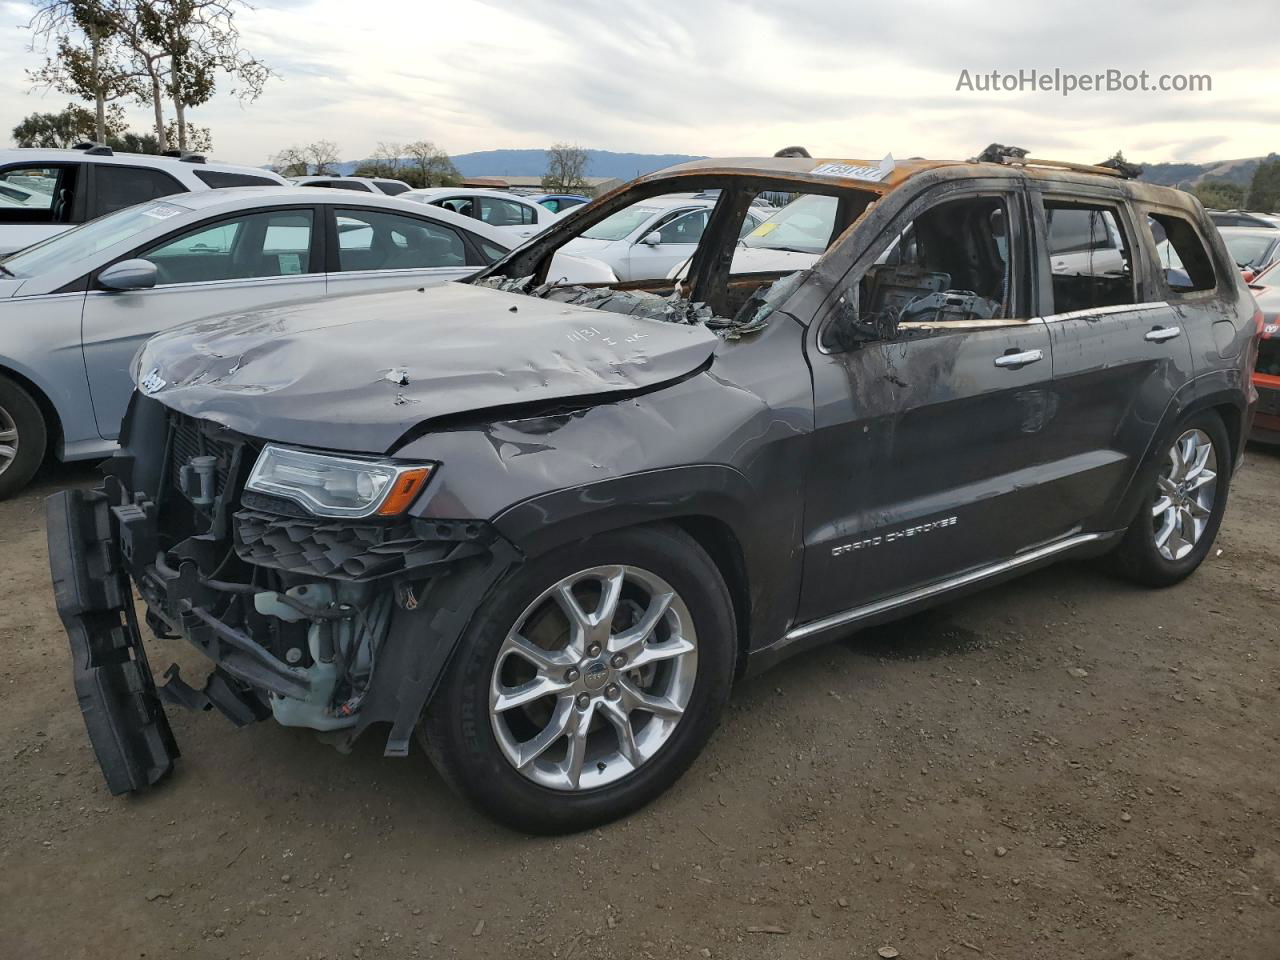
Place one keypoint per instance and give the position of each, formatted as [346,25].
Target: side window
[372,240]
[217,179]
[115,188]
[491,251]
[551,203]
[686,229]
[1090,257]
[275,244]
[37,194]
[351,185]
[505,213]
[1185,262]
[463,206]
[951,262]
[392,188]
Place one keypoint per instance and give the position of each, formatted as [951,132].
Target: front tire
[23,438]
[588,683]
[1178,521]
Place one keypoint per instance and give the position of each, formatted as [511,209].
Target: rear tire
[23,438]
[1179,518]
[495,735]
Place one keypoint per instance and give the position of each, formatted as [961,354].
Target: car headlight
[332,486]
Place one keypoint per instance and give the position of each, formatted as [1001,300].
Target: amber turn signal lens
[407,486]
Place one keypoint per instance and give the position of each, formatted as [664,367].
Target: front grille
[339,549]
[1269,358]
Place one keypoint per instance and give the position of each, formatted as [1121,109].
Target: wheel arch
[53,422]
[710,503]
[1220,393]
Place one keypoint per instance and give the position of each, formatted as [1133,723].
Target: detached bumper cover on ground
[113,682]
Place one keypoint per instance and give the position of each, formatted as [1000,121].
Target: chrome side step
[853,615]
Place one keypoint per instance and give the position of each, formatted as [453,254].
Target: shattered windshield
[803,226]
[619,225]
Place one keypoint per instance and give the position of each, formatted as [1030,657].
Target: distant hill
[1189,174]
[533,163]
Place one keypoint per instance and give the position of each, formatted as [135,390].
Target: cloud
[731,77]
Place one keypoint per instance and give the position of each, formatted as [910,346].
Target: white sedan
[649,239]
[517,217]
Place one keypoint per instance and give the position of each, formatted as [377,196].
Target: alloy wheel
[593,678]
[8,439]
[1185,493]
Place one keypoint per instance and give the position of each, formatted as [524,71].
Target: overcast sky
[730,78]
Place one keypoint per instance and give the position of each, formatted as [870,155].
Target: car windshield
[619,225]
[802,226]
[89,238]
[1248,250]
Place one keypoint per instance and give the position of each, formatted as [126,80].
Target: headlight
[330,486]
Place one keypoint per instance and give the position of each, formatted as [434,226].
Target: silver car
[75,309]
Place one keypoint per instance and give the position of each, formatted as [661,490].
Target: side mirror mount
[652,239]
[126,275]
[848,329]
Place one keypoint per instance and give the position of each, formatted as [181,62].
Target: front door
[653,257]
[243,262]
[928,444]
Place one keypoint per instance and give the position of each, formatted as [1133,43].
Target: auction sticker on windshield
[161,211]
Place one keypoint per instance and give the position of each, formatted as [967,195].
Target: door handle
[1020,359]
[1161,334]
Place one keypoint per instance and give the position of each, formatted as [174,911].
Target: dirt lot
[950,787]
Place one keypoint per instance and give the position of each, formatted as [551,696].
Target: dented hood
[356,373]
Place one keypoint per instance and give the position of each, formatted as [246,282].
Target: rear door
[929,445]
[378,250]
[513,217]
[242,262]
[1119,347]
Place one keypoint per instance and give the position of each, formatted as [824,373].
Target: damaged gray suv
[542,528]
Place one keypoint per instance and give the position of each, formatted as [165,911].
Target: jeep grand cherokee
[543,527]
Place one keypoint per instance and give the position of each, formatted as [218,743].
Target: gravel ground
[1061,767]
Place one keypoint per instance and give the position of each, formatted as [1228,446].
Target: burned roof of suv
[883,176]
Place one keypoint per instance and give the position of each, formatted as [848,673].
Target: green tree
[69,126]
[1264,188]
[89,61]
[1219,194]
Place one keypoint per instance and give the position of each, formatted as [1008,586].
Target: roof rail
[1063,165]
[1017,157]
[186,156]
[92,149]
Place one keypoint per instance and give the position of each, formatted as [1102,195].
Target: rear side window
[1090,256]
[218,179]
[392,188]
[118,187]
[505,213]
[37,194]
[351,185]
[1184,261]
[372,240]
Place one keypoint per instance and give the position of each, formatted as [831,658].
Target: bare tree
[322,155]
[89,61]
[566,166]
[429,166]
[385,161]
[316,158]
[290,162]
